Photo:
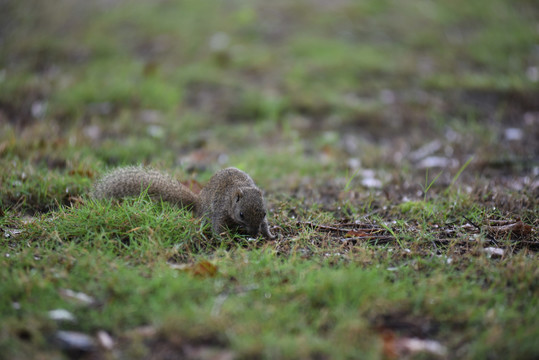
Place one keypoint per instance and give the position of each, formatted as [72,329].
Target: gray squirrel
[230,200]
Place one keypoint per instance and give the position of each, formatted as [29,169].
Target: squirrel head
[248,210]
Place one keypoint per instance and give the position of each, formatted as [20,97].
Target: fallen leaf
[83,173]
[355,234]
[202,268]
[519,228]
[388,344]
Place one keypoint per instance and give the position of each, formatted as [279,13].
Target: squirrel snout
[252,231]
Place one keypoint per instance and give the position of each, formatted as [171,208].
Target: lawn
[396,144]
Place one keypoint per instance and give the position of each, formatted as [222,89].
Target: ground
[396,143]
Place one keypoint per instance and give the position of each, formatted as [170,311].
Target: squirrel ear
[239,195]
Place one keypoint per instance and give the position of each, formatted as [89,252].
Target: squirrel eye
[241,215]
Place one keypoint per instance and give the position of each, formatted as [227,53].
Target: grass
[325,105]
[260,305]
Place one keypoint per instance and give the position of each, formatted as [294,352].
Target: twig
[322,227]
[368,226]
[371,213]
[337,229]
[490,237]
[368,239]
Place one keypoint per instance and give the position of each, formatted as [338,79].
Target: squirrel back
[230,200]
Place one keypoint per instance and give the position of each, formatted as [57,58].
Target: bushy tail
[132,181]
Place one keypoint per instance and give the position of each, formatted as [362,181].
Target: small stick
[333,228]
[479,228]
[368,238]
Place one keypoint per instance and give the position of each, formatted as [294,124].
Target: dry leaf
[83,173]
[519,228]
[202,268]
[388,344]
[356,234]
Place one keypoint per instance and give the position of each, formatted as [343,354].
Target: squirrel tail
[132,181]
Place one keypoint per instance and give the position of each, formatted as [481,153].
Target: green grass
[262,305]
[314,100]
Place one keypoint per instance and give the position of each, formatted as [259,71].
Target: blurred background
[301,94]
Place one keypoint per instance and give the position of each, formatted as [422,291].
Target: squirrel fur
[230,200]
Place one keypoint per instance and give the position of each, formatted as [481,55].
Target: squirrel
[229,200]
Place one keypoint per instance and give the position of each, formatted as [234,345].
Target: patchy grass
[260,304]
[358,119]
